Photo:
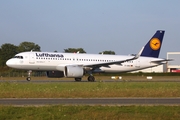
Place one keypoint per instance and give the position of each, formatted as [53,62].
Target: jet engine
[74,71]
[71,71]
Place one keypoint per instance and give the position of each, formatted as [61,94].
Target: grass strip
[89,90]
[90,112]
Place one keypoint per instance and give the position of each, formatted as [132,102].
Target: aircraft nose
[9,63]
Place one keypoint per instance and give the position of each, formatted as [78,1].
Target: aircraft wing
[108,63]
[115,62]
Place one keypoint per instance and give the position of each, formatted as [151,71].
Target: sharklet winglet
[139,54]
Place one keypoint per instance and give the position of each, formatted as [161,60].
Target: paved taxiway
[90,101]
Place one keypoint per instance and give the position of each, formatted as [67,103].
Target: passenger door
[31,58]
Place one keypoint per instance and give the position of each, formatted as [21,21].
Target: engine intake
[71,71]
[74,71]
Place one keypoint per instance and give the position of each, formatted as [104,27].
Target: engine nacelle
[55,74]
[74,71]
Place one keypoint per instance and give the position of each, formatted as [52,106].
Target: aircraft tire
[28,78]
[91,78]
[78,79]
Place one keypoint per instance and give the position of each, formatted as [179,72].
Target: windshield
[19,57]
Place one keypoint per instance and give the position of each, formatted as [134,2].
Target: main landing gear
[90,79]
[29,76]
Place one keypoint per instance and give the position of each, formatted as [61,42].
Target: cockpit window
[19,57]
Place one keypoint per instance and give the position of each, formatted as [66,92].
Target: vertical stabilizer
[152,48]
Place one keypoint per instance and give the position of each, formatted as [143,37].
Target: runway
[90,101]
[59,81]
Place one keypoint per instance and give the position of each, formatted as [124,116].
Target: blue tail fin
[152,48]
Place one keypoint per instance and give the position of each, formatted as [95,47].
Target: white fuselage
[47,61]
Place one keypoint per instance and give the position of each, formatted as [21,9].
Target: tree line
[8,51]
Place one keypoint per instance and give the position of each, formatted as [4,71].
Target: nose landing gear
[29,75]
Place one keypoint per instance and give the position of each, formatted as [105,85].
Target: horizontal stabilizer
[161,61]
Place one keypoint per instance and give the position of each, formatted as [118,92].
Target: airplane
[72,65]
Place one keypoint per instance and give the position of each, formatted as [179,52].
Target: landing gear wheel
[28,78]
[91,78]
[78,79]
[29,75]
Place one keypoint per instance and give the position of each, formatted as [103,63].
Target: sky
[123,26]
